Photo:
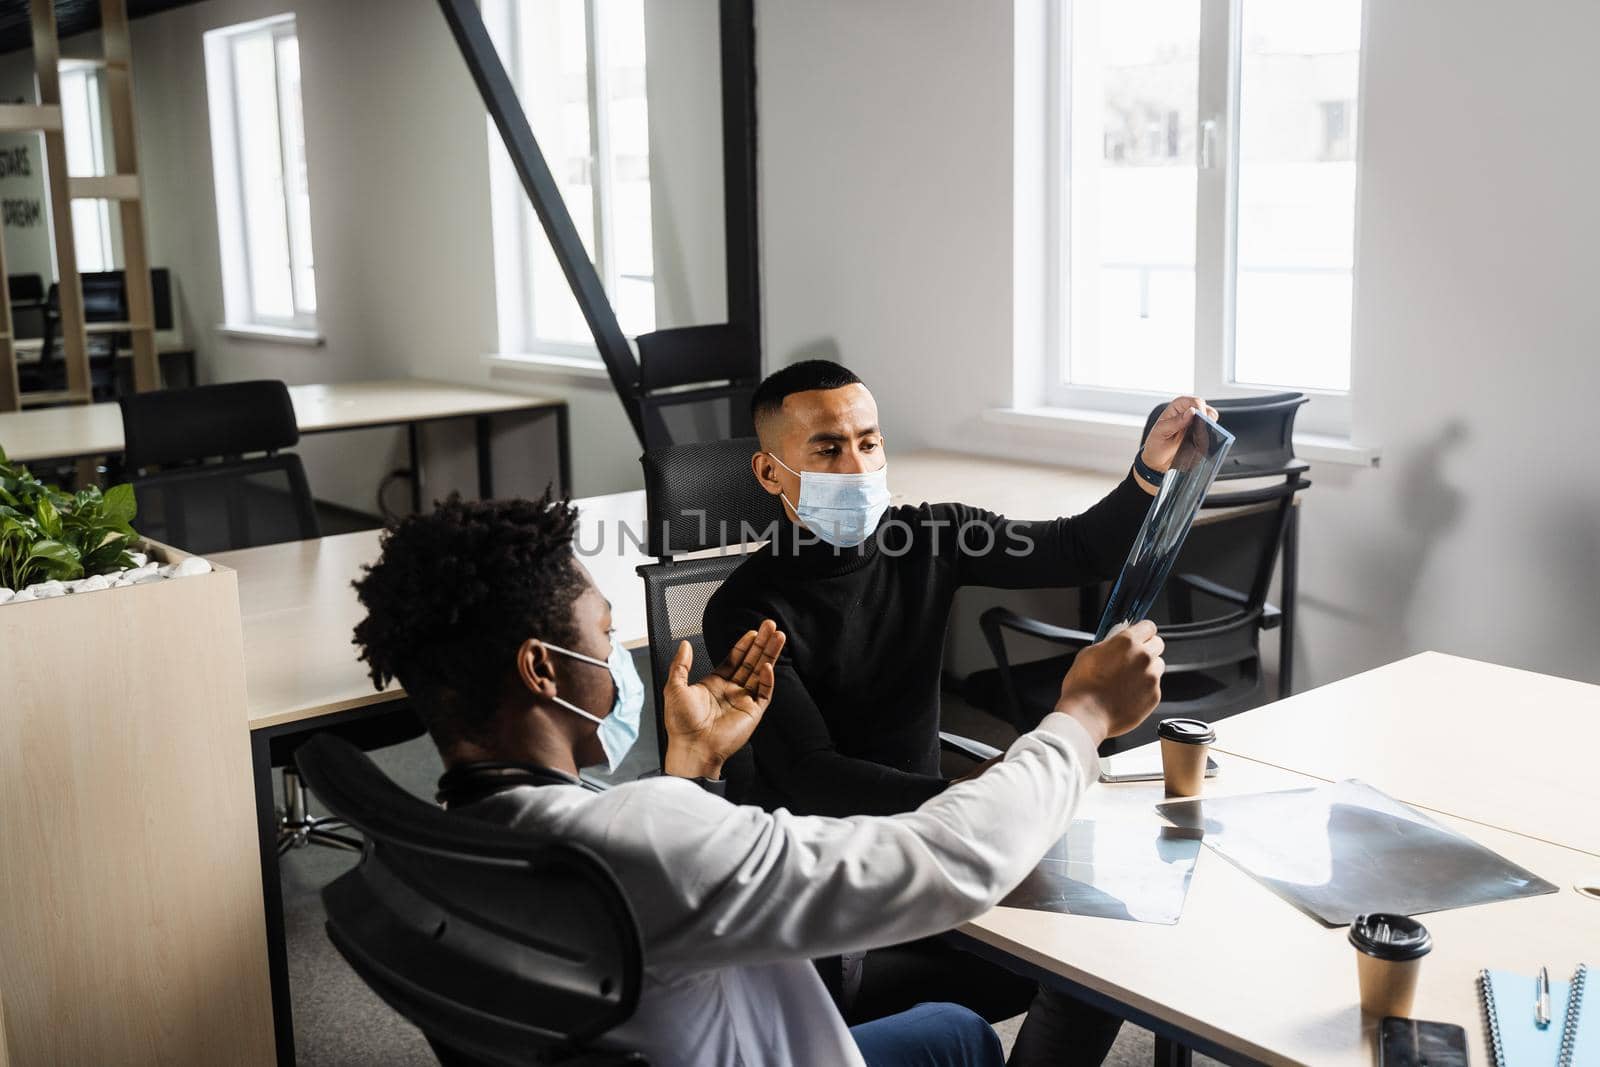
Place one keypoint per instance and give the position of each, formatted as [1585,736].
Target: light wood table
[1246,977]
[1507,748]
[96,429]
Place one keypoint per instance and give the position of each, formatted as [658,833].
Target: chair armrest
[1271,617]
[996,618]
[966,746]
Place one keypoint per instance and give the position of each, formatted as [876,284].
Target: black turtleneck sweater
[853,727]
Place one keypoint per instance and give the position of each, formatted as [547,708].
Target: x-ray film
[1167,523]
[1113,870]
[1337,851]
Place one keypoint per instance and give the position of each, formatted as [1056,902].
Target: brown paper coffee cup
[1389,952]
[1388,987]
[1185,744]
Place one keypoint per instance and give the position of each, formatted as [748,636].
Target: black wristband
[1145,471]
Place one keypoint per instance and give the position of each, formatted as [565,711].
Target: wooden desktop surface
[96,429]
[1507,748]
[1247,970]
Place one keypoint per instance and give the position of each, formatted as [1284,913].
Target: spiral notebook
[1571,1040]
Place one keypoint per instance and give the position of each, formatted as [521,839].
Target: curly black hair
[453,595]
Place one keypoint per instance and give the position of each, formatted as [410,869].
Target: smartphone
[1418,1043]
[1144,767]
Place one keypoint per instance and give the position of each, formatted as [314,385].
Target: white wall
[887,197]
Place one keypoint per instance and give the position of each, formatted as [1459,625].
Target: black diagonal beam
[494,85]
[739,177]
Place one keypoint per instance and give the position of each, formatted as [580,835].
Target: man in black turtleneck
[864,592]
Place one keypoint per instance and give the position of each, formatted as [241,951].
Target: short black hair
[800,377]
[454,594]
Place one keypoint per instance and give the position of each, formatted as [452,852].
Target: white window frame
[515,259]
[81,90]
[222,89]
[1216,229]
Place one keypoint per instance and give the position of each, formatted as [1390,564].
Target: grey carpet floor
[338,1022]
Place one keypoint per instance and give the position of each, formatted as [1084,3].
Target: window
[1204,177]
[579,71]
[259,159]
[83,125]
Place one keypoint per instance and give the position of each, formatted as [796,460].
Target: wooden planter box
[131,926]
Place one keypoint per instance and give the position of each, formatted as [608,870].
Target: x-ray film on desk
[1155,550]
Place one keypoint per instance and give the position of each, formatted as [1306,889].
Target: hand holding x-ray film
[1166,525]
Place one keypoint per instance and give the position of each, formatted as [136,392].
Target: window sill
[283,335]
[547,365]
[1318,448]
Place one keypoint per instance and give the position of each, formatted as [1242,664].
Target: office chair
[701,498]
[191,455]
[1213,656]
[503,949]
[703,366]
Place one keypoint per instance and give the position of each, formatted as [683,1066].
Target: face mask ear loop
[570,706]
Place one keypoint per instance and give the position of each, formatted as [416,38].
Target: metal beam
[500,97]
[741,224]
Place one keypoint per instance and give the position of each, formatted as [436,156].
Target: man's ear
[765,469]
[536,668]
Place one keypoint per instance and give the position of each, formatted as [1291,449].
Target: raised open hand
[712,719]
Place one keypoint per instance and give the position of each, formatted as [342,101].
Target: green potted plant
[53,542]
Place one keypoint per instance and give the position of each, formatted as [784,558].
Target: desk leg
[1171,1054]
[272,897]
[1291,582]
[485,458]
[414,450]
[564,448]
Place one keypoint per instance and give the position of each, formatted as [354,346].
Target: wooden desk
[96,429]
[1507,748]
[1246,977]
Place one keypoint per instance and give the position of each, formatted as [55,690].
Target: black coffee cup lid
[1390,937]
[1187,731]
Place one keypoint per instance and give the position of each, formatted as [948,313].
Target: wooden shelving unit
[121,186]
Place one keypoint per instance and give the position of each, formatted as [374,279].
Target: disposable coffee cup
[1389,951]
[1185,744]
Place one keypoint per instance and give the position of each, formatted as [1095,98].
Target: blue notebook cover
[1515,1040]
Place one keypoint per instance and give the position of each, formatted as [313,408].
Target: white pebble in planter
[140,575]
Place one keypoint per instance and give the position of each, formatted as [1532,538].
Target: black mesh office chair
[209,474]
[703,497]
[1214,605]
[502,949]
[695,383]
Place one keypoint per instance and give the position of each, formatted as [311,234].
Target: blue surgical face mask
[620,729]
[842,509]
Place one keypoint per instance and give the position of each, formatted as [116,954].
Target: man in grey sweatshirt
[503,642]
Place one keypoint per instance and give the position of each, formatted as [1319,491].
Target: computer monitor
[105,297]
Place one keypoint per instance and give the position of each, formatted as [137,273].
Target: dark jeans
[1059,1029]
[929,1035]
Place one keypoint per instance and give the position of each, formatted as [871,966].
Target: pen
[1541,999]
